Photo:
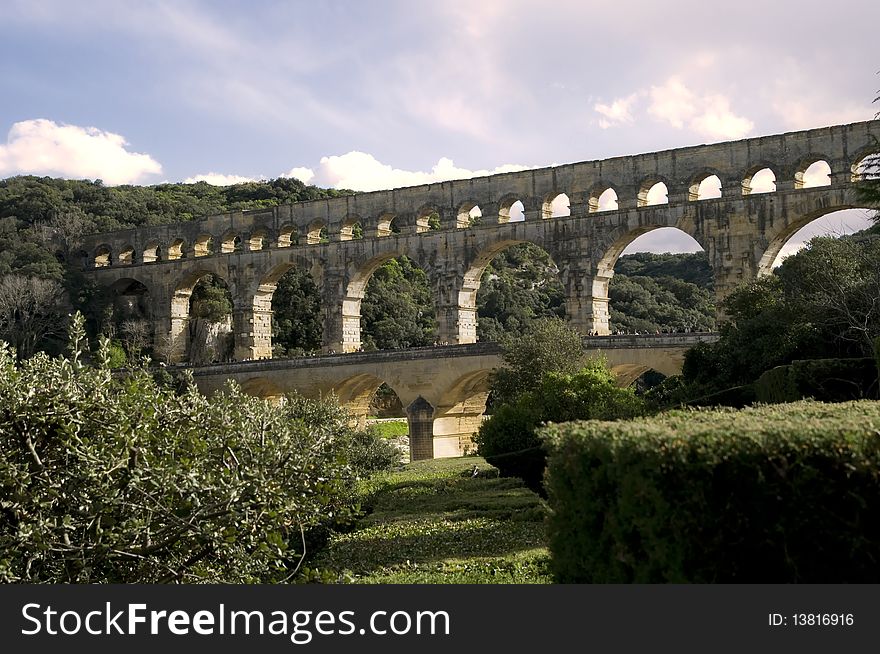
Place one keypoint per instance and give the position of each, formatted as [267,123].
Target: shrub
[785,493]
[827,380]
[125,480]
[508,439]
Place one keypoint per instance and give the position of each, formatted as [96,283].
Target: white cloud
[709,115]
[360,171]
[44,147]
[617,113]
[219,179]
[304,175]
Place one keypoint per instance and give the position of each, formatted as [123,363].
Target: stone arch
[703,185]
[866,164]
[103,256]
[126,255]
[753,174]
[459,413]
[203,245]
[429,218]
[650,190]
[176,345]
[315,231]
[385,224]
[467,214]
[808,171]
[352,228]
[258,239]
[555,204]
[782,233]
[230,242]
[286,235]
[349,339]
[461,324]
[132,314]
[603,198]
[151,252]
[177,249]
[598,322]
[505,204]
[263,388]
[356,393]
[261,305]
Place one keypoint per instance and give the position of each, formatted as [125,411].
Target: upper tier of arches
[786,162]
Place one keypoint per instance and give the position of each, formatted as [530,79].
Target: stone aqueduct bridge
[444,389]
[741,231]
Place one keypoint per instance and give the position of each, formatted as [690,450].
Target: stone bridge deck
[444,387]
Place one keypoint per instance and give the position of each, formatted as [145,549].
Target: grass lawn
[429,524]
[390,429]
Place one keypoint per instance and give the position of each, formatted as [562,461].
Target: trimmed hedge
[828,380]
[785,493]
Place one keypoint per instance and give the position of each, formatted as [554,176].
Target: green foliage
[775,494]
[296,320]
[820,303]
[397,309]
[826,380]
[369,451]
[130,480]
[509,440]
[210,299]
[545,346]
[520,285]
[433,522]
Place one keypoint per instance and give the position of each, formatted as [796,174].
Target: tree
[548,345]
[133,480]
[29,312]
[508,440]
[397,310]
[296,319]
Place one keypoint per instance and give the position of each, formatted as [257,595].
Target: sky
[387,93]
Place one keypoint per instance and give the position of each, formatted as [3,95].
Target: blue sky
[385,93]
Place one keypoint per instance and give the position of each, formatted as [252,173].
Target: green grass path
[429,524]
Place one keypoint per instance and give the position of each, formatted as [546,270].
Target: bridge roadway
[443,388]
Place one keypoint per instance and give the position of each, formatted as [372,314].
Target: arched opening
[556,206]
[507,286]
[177,249]
[459,413]
[151,252]
[257,240]
[126,256]
[201,321]
[796,235]
[230,242]
[707,188]
[263,388]
[603,200]
[103,256]
[397,309]
[762,180]
[510,209]
[317,233]
[128,318]
[204,245]
[351,229]
[866,167]
[286,236]
[290,296]
[386,404]
[653,193]
[385,225]
[428,220]
[469,215]
[654,280]
[643,377]
[817,173]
